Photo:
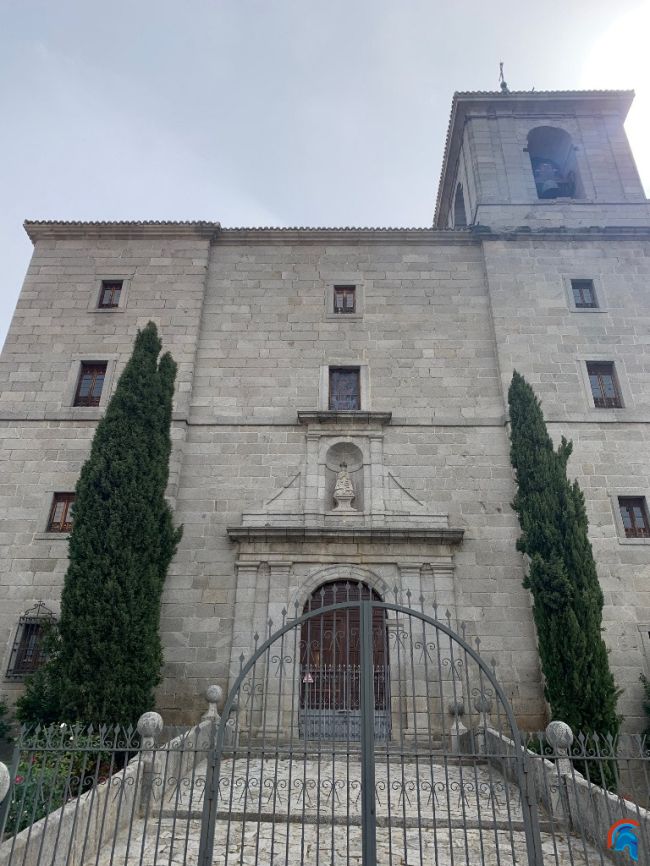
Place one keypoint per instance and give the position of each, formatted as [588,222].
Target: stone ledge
[350,417]
[432,534]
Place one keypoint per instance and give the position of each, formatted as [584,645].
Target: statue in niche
[343,490]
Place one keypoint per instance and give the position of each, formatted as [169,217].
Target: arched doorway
[467,796]
[330,664]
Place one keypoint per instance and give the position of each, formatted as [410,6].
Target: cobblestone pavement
[427,814]
[268,844]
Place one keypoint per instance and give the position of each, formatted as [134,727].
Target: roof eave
[38,230]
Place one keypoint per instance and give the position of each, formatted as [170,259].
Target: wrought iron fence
[111,796]
[101,795]
[449,780]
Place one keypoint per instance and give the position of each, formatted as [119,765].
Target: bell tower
[540,160]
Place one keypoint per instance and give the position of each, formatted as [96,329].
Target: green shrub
[646,703]
[58,764]
[5,724]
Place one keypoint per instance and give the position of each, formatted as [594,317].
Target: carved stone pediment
[344,492]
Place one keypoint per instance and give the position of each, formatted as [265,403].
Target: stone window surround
[644,629]
[44,513]
[614,494]
[623,385]
[359,298]
[93,302]
[90,412]
[324,384]
[598,291]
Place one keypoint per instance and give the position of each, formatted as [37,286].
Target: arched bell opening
[331,667]
[553,161]
[460,216]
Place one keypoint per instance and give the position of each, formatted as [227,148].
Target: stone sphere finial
[214,697]
[214,694]
[456,708]
[150,724]
[5,781]
[560,736]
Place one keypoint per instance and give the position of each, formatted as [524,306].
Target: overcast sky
[272,112]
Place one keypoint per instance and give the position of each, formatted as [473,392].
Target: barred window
[584,294]
[634,512]
[345,300]
[345,391]
[109,297]
[60,519]
[90,384]
[27,653]
[604,385]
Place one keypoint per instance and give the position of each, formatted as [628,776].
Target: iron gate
[417,790]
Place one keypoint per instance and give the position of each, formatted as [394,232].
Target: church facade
[340,413]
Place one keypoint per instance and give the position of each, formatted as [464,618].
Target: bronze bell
[549,189]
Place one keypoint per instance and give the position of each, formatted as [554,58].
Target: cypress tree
[106,657]
[562,578]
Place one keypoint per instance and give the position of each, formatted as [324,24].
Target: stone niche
[344,471]
[344,456]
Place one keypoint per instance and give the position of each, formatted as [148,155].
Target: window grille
[344,388]
[27,653]
[635,516]
[345,299]
[584,295]
[109,297]
[604,385]
[91,382]
[60,519]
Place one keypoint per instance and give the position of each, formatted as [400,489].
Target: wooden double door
[331,665]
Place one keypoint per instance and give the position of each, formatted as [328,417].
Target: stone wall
[444,319]
[57,325]
[538,334]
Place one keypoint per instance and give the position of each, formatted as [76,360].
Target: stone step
[325,818]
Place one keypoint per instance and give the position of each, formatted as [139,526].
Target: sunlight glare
[619,59]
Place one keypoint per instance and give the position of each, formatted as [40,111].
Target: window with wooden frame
[344,388]
[345,299]
[604,385]
[109,296]
[60,519]
[90,384]
[584,295]
[27,653]
[634,513]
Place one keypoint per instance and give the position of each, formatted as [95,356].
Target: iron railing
[450,780]
[104,797]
